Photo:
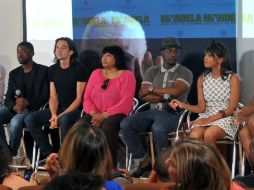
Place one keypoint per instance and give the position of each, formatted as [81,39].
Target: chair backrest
[136,103]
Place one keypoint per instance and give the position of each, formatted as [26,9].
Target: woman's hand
[53,165]
[175,103]
[97,119]
[125,174]
[202,122]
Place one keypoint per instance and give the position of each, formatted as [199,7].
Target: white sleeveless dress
[217,96]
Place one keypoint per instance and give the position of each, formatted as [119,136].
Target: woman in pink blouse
[109,95]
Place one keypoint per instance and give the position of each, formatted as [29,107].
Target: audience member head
[91,59]
[161,165]
[25,52]
[85,149]
[195,164]
[219,50]
[118,55]
[148,58]
[69,46]
[170,51]
[159,60]
[147,61]
[76,181]
[4,160]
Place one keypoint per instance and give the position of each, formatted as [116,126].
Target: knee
[16,123]
[29,121]
[250,123]
[159,132]
[195,135]
[125,124]
[64,121]
[210,138]
[243,133]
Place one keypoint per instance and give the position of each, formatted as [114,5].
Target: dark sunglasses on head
[104,85]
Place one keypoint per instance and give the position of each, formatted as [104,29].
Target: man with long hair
[67,83]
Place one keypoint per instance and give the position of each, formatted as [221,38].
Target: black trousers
[111,127]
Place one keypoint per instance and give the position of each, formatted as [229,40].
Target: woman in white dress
[218,96]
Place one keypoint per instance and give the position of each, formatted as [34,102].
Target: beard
[23,62]
[171,62]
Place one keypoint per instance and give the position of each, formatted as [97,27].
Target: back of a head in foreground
[76,181]
[85,149]
[4,161]
[195,164]
[161,165]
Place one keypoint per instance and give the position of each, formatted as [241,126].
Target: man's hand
[17,109]
[243,114]
[53,121]
[22,102]
[145,89]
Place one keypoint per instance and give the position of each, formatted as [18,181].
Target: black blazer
[38,93]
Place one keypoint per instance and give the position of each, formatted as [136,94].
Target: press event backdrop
[90,22]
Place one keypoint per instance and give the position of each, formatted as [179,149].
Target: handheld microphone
[166,98]
[18,93]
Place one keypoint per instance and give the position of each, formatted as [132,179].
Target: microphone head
[18,93]
[167,98]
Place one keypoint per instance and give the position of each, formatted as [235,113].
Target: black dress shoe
[141,170]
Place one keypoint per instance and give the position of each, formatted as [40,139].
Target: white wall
[11,33]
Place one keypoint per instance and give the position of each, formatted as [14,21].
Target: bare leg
[246,134]
[212,134]
[197,133]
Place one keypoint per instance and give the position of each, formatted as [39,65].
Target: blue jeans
[36,120]
[16,124]
[160,122]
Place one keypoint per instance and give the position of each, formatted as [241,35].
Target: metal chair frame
[235,141]
[172,136]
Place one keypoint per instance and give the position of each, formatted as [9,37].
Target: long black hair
[118,54]
[220,50]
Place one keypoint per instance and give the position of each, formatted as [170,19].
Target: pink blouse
[117,98]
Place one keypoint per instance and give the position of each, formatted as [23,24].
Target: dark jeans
[110,127]
[16,125]
[36,120]
[160,122]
